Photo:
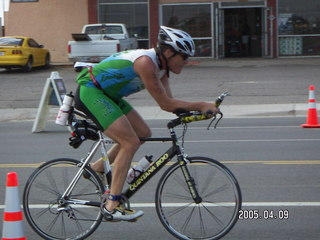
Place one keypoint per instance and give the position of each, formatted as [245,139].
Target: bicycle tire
[218,211]
[42,194]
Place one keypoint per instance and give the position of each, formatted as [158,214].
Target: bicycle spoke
[51,225]
[213,216]
[180,209]
[185,224]
[216,191]
[82,213]
[181,181]
[207,182]
[63,228]
[38,215]
[45,188]
[52,182]
[202,225]
[77,221]
[177,196]
[38,200]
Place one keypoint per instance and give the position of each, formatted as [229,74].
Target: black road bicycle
[196,197]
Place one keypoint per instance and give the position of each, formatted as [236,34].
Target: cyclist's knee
[146,133]
[136,144]
[131,145]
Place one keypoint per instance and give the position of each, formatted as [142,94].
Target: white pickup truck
[98,41]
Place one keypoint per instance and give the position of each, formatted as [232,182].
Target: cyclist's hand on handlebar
[210,109]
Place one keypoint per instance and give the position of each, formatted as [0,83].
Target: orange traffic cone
[312,118]
[12,228]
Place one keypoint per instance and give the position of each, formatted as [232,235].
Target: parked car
[22,52]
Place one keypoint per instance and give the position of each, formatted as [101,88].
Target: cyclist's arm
[146,69]
[165,83]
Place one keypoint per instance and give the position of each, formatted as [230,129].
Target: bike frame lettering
[150,172]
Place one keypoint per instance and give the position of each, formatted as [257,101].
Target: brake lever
[213,119]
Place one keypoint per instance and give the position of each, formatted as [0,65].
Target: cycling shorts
[100,108]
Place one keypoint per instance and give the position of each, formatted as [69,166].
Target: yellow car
[22,52]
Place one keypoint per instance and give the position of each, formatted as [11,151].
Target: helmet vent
[178,35]
[181,46]
[188,45]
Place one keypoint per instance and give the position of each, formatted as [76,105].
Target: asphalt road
[275,161]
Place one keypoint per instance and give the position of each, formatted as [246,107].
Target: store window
[194,19]
[299,27]
[132,13]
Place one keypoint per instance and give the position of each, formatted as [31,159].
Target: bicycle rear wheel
[53,217]
[214,216]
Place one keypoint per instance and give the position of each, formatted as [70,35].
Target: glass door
[241,29]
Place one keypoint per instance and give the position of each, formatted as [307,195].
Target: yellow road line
[276,162]
[269,162]
[20,165]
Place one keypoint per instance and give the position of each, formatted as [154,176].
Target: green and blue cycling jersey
[116,73]
[117,78]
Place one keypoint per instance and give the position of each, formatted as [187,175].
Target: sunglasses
[184,56]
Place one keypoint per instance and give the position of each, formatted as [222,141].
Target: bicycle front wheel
[218,210]
[52,217]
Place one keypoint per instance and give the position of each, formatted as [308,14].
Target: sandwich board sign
[52,95]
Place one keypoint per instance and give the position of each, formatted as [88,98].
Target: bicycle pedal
[109,218]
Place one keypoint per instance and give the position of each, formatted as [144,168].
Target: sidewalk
[236,111]
[153,113]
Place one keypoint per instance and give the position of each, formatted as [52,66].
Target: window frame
[292,39]
[124,2]
[211,37]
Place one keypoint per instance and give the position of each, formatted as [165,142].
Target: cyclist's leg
[110,116]
[123,133]
[127,129]
[139,126]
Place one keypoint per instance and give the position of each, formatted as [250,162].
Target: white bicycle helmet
[178,39]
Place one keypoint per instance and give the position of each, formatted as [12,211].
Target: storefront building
[224,28]
[220,28]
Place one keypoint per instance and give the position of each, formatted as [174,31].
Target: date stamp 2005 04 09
[267,214]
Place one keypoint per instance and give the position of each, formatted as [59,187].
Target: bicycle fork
[189,180]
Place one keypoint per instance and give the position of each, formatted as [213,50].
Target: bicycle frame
[154,167]
[101,143]
[174,150]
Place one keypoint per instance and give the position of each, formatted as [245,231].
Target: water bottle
[136,171]
[63,113]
